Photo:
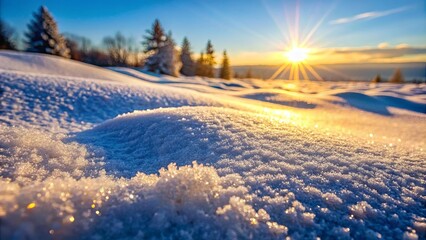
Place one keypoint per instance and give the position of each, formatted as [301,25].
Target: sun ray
[291,77]
[296,72]
[313,72]
[233,23]
[297,20]
[278,22]
[315,28]
[298,45]
[279,70]
[285,71]
[303,71]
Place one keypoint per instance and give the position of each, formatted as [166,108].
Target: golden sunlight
[296,66]
[297,55]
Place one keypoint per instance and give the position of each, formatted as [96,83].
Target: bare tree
[118,48]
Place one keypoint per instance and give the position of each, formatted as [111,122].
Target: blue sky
[254,32]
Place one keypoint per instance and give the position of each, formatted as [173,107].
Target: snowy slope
[202,84]
[53,65]
[274,159]
[69,103]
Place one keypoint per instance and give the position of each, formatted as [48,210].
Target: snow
[54,65]
[60,102]
[92,156]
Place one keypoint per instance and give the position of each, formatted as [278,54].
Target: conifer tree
[225,71]
[155,37]
[397,77]
[43,35]
[188,65]
[377,79]
[5,37]
[200,66]
[209,60]
[165,60]
[249,73]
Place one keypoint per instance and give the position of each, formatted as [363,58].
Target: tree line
[160,53]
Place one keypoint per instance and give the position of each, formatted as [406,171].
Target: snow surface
[54,65]
[205,158]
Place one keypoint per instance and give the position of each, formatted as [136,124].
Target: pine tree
[209,60]
[225,71]
[188,65]
[397,77]
[5,37]
[165,60]
[249,73]
[155,38]
[200,66]
[43,35]
[377,79]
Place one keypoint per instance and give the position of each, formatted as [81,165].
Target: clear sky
[253,31]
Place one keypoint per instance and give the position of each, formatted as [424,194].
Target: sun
[296,54]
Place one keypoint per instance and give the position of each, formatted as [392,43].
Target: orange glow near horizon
[297,63]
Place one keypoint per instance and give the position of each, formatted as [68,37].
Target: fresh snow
[90,153]
[58,66]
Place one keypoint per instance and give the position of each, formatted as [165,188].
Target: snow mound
[305,179]
[186,202]
[28,155]
[291,99]
[380,103]
[54,65]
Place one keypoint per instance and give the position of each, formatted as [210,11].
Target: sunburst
[296,55]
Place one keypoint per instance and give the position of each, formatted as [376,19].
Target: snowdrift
[46,195]
[53,65]
[326,176]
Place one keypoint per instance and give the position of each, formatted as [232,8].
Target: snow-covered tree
[155,38]
[397,77]
[377,79]
[43,35]
[6,41]
[165,60]
[188,64]
[209,60]
[225,71]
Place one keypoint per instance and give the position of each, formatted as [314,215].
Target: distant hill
[363,71]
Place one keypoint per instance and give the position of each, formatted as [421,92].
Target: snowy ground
[92,153]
